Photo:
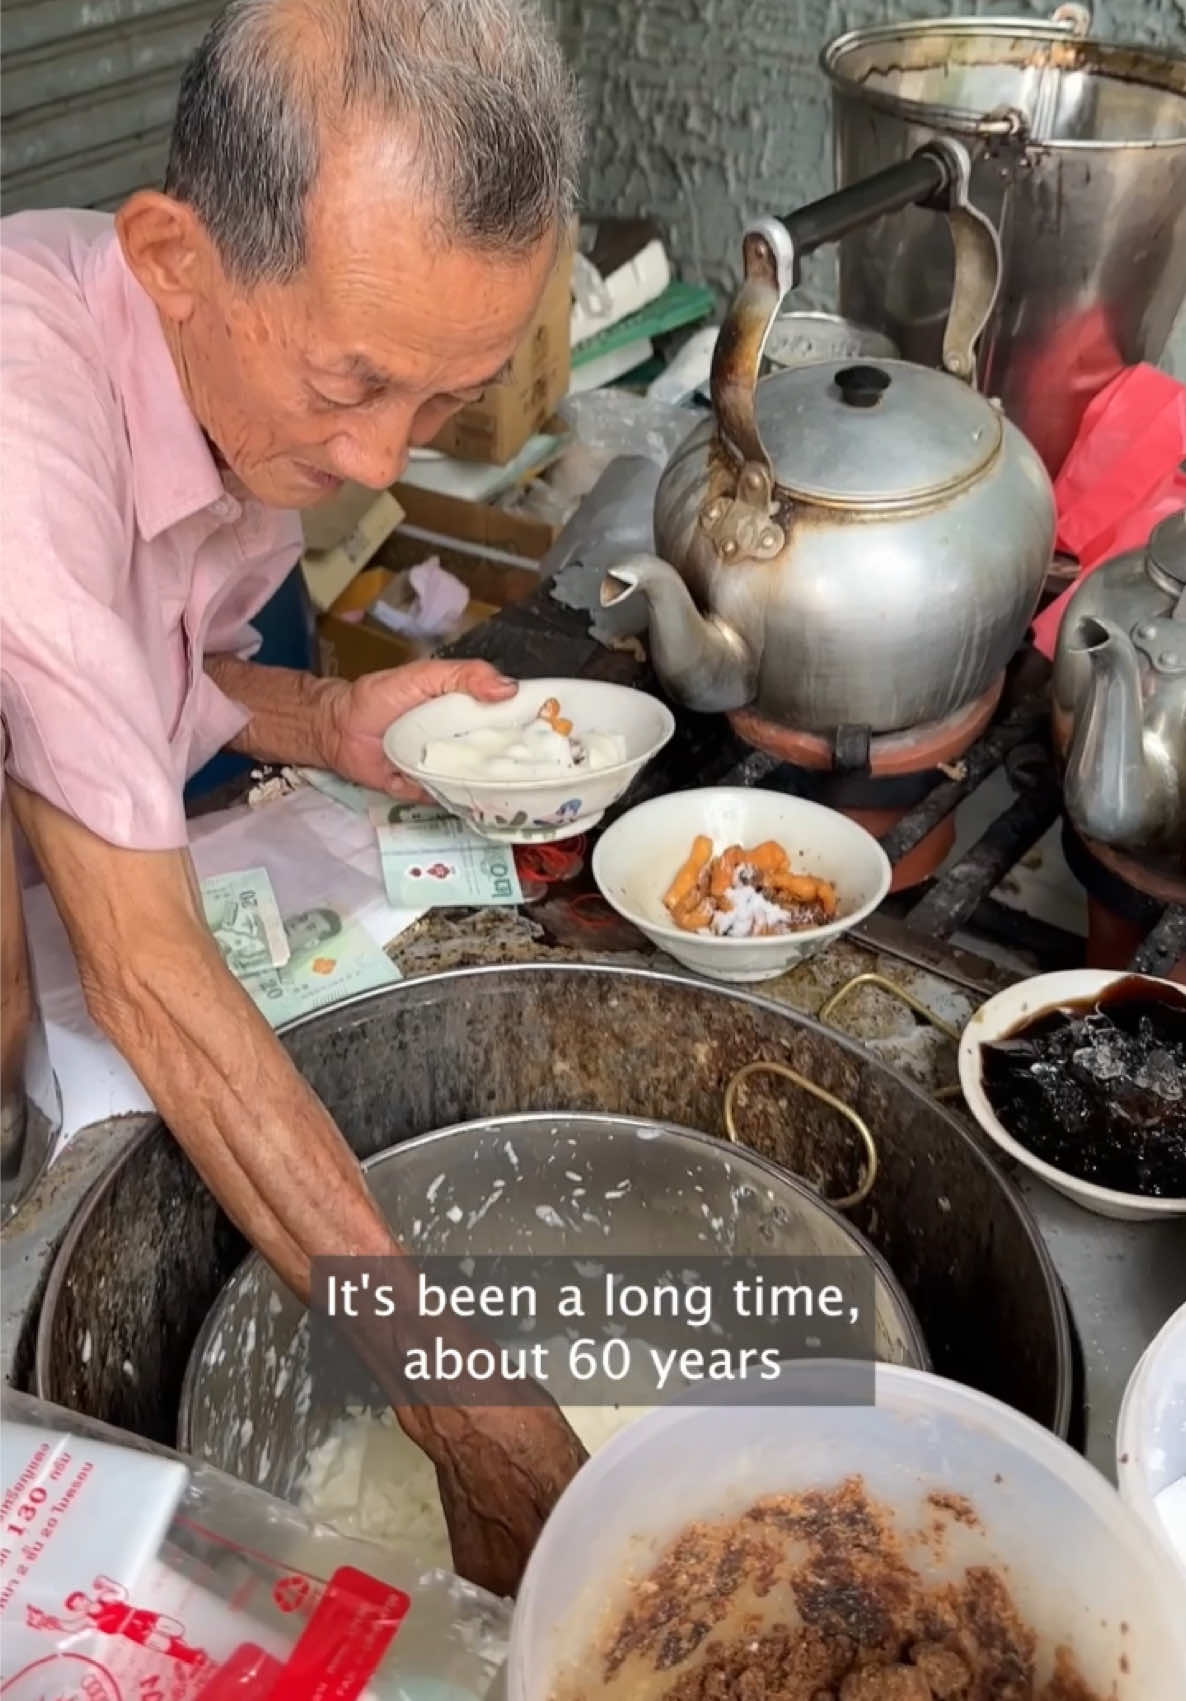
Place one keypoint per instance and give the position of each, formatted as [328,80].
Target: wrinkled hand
[358,713]
[500,1471]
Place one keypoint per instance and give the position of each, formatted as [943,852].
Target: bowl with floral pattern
[535,810]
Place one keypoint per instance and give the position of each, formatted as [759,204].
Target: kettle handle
[937,176]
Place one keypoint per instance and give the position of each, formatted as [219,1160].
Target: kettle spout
[700,660]
[1111,792]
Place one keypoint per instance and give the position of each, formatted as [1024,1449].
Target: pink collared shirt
[123,559]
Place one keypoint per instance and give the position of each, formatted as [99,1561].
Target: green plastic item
[680,304]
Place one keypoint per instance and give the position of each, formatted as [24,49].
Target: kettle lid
[879,432]
[1166,552]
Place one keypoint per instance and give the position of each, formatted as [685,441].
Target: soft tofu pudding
[543,749]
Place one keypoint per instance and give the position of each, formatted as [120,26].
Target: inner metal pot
[534,1186]
[523,1186]
[149,1252]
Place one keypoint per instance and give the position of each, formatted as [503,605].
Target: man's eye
[337,403]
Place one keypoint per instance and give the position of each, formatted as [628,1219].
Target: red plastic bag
[1126,472]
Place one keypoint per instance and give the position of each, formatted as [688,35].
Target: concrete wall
[705,113]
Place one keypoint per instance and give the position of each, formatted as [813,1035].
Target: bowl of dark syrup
[1081,1077]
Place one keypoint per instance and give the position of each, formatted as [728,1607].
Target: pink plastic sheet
[1126,471]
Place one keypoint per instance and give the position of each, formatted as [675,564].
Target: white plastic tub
[1151,1434]
[1078,1561]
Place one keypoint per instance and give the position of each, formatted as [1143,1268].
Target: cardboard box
[513,410]
[341,537]
[352,648]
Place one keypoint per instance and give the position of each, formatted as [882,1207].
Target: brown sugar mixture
[811,1597]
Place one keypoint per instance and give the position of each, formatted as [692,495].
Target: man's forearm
[157,986]
[289,710]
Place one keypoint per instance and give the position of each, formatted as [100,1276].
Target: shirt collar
[174,473]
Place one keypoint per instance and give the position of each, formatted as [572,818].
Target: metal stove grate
[960,898]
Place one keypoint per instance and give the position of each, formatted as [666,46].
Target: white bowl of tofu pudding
[542,766]
[804,875]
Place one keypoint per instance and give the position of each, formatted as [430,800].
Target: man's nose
[373,454]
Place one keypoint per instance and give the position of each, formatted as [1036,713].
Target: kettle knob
[862,386]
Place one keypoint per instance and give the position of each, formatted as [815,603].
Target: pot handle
[936,176]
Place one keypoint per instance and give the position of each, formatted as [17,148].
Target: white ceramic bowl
[635,861]
[1151,1433]
[534,811]
[1000,1017]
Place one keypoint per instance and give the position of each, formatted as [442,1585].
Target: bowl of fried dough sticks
[739,884]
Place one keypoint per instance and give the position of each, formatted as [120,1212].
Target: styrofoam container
[534,811]
[1000,1017]
[1151,1433]
[635,861]
[1078,1562]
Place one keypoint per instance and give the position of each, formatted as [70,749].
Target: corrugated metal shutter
[87,90]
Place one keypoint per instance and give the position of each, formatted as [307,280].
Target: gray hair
[478,88]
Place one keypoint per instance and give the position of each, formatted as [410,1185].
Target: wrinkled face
[386,331]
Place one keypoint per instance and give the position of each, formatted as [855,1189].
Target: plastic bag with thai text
[127,1570]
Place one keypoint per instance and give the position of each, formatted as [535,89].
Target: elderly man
[362,207]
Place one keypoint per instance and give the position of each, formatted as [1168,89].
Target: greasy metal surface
[955,895]
[529,1186]
[145,1261]
[868,1176]
[1124,1280]
[1165,946]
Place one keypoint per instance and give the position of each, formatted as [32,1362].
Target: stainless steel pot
[149,1252]
[1078,152]
[847,544]
[531,1186]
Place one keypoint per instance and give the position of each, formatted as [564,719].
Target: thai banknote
[331,958]
[244,917]
[431,861]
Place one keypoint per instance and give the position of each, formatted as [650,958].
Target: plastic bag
[127,1571]
[1126,471]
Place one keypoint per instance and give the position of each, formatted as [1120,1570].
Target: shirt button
[226,508]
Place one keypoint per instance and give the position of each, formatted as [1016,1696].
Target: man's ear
[167,250]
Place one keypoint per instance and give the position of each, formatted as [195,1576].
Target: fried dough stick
[803,889]
[688,880]
[550,712]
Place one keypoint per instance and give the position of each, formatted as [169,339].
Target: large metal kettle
[847,545]
[1119,698]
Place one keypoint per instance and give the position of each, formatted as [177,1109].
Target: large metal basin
[149,1251]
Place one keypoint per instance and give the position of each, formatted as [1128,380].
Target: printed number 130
[27,1511]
